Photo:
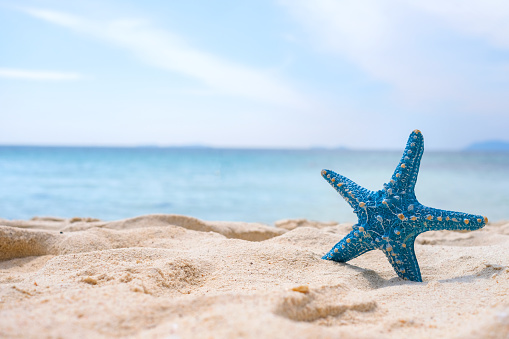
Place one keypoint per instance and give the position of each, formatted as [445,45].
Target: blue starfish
[391,219]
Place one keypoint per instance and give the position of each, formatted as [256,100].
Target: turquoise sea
[230,184]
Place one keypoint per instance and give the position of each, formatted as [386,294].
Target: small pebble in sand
[90,280]
[301,289]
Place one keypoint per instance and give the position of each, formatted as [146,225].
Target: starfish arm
[353,193]
[403,259]
[351,246]
[405,175]
[434,219]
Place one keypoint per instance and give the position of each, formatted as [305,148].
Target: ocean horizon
[254,185]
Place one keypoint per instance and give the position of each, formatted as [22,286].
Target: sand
[168,276]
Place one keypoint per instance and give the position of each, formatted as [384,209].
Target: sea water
[231,184]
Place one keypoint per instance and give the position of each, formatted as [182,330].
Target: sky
[254,74]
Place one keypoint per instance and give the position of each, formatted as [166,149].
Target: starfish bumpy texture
[390,219]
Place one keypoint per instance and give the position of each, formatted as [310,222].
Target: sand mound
[173,276]
[49,235]
[237,230]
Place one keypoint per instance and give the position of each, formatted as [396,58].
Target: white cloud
[12,73]
[487,19]
[414,46]
[168,51]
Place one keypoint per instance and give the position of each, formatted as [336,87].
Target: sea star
[390,219]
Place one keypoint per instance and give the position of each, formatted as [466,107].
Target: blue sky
[254,73]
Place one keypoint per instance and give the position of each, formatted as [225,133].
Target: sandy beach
[169,276]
